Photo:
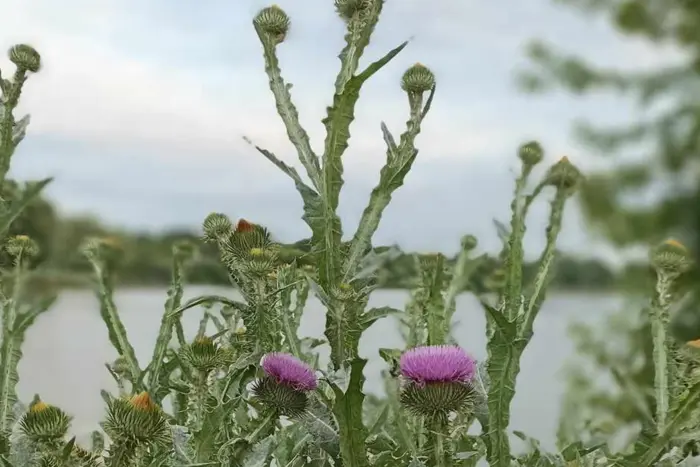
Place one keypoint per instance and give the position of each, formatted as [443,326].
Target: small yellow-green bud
[25,57]
[563,175]
[257,252]
[671,258]
[216,227]
[274,22]
[418,79]
[44,422]
[21,246]
[531,153]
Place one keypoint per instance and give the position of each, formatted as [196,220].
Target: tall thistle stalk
[512,320]
[16,315]
[344,296]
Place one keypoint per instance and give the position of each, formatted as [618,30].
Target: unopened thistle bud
[25,57]
[105,248]
[563,175]
[137,419]
[285,384]
[216,227]
[671,258]
[273,22]
[21,246]
[347,9]
[44,422]
[437,380]
[469,242]
[418,79]
[184,249]
[531,153]
[243,226]
[205,355]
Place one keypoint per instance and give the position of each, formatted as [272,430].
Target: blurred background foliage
[148,258]
[654,158]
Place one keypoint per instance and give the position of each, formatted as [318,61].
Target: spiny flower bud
[25,57]
[285,384]
[274,22]
[105,248]
[137,419]
[216,227]
[243,226]
[21,246]
[437,380]
[418,79]
[184,249]
[671,258]
[531,153]
[563,175]
[44,422]
[205,355]
[349,8]
[469,242]
[344,292]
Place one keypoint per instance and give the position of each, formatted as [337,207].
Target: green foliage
[229,409]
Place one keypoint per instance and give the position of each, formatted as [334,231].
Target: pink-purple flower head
[437,364]
[288,370]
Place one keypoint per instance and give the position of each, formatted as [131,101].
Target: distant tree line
[147,256]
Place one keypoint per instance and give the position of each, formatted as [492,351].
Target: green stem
[9,351]
[659,317]
[537,296]
[441,456]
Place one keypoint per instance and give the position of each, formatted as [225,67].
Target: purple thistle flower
[288,370]
[437,363]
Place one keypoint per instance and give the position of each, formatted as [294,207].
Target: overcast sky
[141,106]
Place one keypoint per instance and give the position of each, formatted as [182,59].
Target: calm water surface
[65,351]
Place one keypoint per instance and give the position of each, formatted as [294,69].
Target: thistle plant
[254,393]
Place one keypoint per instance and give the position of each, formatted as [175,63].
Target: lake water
[65,351]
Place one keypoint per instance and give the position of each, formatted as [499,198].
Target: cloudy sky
[141,107]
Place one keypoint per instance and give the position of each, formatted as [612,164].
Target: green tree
[670,137]
[670,143]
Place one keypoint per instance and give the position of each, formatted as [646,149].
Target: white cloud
[93,89]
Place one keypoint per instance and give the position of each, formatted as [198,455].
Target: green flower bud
[184,249]
[21,246]
[103,249]
[205,355]
[429,261]
[25,57]
[44,422]
[531,153]
[282,398]
[217,227]
[138,420]
[563,175]
[418,79]
[469,242]
[671,258]
[344,292]
[347,9]
[437,399]
[274,22]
